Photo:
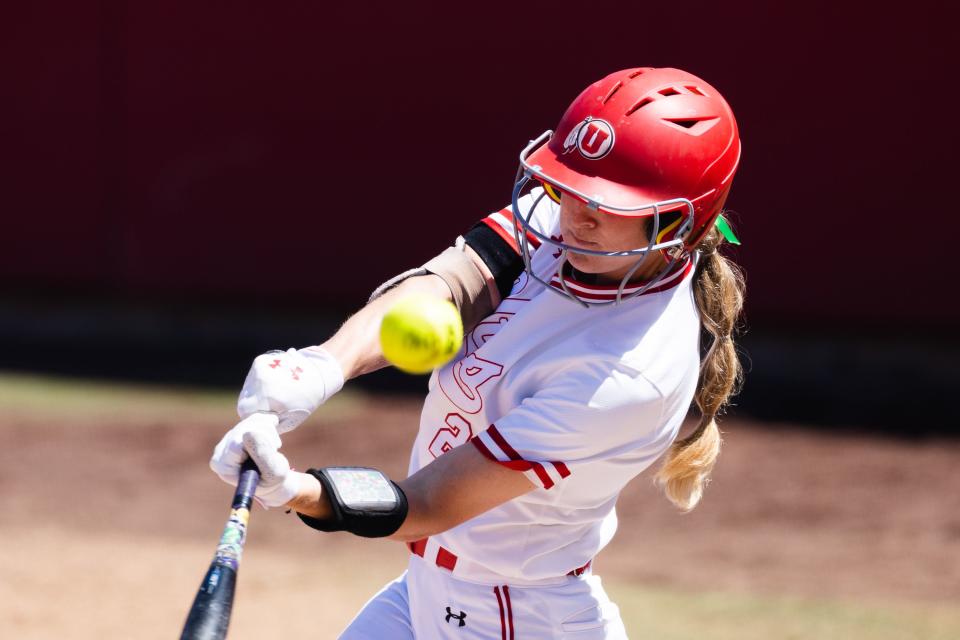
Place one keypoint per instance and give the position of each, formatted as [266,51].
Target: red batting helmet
[644,136]
[638,143]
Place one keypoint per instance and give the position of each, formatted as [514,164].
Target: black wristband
[500,257]
[367,523]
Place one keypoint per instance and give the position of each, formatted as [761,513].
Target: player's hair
[718,288]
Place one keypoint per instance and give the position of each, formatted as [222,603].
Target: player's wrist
[281,493]
[310,499]
[328,368]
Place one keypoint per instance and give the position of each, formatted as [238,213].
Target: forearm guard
[363,502]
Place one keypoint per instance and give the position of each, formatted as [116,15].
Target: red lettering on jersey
[457,431]
[461,383]
[487,328]
[274,364]
[594,138]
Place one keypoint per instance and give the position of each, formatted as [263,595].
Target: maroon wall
[174,149]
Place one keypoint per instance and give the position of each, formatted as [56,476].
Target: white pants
[428,603]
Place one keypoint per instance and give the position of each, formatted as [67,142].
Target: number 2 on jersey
[457,432]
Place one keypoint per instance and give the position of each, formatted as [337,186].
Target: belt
[448,560]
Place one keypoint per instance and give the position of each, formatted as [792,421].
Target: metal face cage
[528,176]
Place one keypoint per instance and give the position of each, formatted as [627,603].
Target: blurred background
[186,185]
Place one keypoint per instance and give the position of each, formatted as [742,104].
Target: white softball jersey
[580,400]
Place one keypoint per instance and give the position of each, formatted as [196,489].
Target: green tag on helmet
[726,231]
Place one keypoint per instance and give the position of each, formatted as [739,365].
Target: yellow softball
[420,333]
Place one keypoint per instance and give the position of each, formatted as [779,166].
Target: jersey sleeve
[502,223]
[543,219]
[584,417]
[495,241]
[504,262]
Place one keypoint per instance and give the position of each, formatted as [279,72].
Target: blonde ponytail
[718,289]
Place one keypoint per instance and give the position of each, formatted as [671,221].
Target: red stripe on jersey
[561,468]
[545,478]
[506,235]
[418,547]
[532,239]
[506,596]
[503,444]
[503,233]
[516,465]
[543,475]
[503,622]
[446,559]
[600,292]
[579,571]
[608,296]
[482,448]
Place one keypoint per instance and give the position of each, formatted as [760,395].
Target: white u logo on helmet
[593,138]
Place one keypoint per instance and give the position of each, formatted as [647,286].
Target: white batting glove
[229,453]
[257,435]
[290,384]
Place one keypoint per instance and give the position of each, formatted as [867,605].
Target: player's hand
[290,384]
[258,437]
[229,453]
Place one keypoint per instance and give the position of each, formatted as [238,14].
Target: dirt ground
[108,519]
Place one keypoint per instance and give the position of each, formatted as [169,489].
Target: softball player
[584,303]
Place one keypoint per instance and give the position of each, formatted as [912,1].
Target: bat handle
[210,614]
[247,485]
[249,473]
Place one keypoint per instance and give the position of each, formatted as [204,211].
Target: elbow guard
[364,502]
[471,293]
[474,296]
[468,286]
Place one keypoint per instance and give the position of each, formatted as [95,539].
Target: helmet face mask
[672,249]
[638,143]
